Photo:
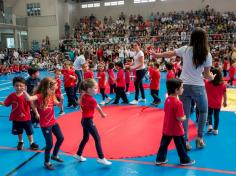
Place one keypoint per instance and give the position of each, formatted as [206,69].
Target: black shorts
[19,126]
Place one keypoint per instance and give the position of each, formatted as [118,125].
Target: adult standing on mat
[139,67]
[197,61]
[79,61]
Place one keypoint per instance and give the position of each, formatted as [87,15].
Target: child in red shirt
[173,127]
[70,79]
[155,83]
[216,90]
[87,73]
[58,93]
[45,100]
[20,114]
[225,67]
[111,77]
[120,85]
[88,105]
[170,73]
[127,75]
[231,73]
[101,76]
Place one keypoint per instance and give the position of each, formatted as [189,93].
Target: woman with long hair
[139,67]
[197,62]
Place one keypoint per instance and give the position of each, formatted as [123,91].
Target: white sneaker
[142,100]
[108,99]
[134,102]
[104,161]
[215,132]
[80,158]
[102,103]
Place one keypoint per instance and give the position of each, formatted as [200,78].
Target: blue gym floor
[216,159]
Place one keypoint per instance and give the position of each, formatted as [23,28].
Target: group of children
[37,104]
[15,68]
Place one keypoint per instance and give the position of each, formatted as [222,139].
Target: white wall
[146,8]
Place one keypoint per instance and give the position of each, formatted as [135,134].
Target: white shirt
[190,75]
[79,61]
[137,61]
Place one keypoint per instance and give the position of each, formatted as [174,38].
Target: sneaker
[80,158]
[142,100]
[57,158]
[108,99]
[102,103]
[20,146]
[209,130]
[200,143]
[34,146]
[191,162]
[69,106]
[49,166]
[61,113]
[104,161]
[215,132]
[134,102]
[161,162]
[188,146]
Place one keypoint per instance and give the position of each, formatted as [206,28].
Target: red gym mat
[128,131]
[131,87]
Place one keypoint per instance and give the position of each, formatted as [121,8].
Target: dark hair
[138,42]
[119,64]
[156,64]
[199,43]
[172,85]
[218,77]
[169,66]
[18,79]
[32,70]
[111,65]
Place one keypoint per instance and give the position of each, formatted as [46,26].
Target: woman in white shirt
[139,66]
[197,61]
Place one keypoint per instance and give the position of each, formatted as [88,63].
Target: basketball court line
[121,160]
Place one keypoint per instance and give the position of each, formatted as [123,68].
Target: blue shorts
[19,126]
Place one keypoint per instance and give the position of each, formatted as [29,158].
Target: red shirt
[120,80]
[88,105]
[47,117]
[111,76]
[101,79]
[225,65]
[155,79]
[100,53]
[58,91]
[88,74]
[231,72]
[170,74]
[127,77]
[20,107]
[173,109]
[69,82]
[215,94]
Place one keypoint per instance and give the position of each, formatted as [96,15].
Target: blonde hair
[88,83]
[43,89]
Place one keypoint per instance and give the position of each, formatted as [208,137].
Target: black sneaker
[49,166]
[20,146]
[34,146]
[56,158]
[161,162]
[189,163]
[61,113]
